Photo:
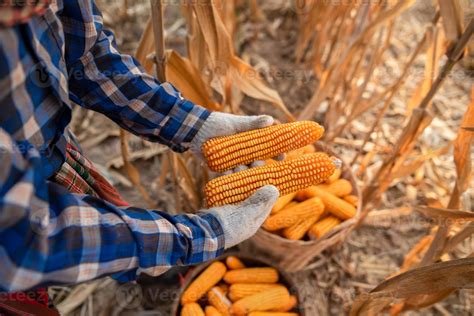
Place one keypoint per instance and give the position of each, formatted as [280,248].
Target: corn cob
[263,301]
[192,309]
[272,314]
[339,188]
[332,203]
[241,290]
[291,304]
[227,152]
[293,215]
[298,230]
[252,275]
[352,199]
[282,202]
[217,298]
[288,176]
[324,226]
[211,311]
[335,176]
[204,282]
[309,149]
[291,204]
[234,263]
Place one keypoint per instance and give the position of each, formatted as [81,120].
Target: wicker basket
[295,255]
[248,261]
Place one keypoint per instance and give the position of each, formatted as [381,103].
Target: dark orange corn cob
[227,152]
[288,176]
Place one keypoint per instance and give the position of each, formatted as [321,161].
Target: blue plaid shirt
[48,235]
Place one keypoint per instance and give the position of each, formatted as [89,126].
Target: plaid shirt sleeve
[49,236]
[102,79]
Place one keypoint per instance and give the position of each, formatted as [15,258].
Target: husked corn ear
[339,188]
[263,301]
[234,263]
[273,314]
[298,230]
[332,203]
[204,282]
[227,152]
[324,226]
[309,149]
[241,290]
[352,199]
[335,176]
[292,215]
[192,309]
[217,298]
[252,275]
[288,307]
[282,202]
[288,176]
[212,311]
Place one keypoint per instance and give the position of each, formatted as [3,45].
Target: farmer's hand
[241,221]
[224,124]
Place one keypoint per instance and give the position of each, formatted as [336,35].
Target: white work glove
[241,221]
[224,124]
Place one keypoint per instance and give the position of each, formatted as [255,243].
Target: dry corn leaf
[249,81]
[434,279]
[145,48]
[182,73]
[462,155]
[453,18]
[445,213]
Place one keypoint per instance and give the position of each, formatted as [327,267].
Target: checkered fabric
[48,235]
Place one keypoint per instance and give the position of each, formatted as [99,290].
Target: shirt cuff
[183,121]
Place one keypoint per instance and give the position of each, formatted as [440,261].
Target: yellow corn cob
[217,298]
[352,199]
[241,290]
[293,215]
[288,176]
[282,202]
[204,282]
[252,275]
[298,230]
[335,176]
[324,226]
[272,314]
[339,188]
[228,152]
[263,301]
[192,309]
[309,149]
[332,203]
[291,304]
[211,311]
[234,263]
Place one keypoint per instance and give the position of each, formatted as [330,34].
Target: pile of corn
[232,288]
[289,176]
[313,212]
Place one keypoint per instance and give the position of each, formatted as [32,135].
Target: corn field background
[391,81]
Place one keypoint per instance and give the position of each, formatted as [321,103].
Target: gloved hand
[225,124]
[241,221]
